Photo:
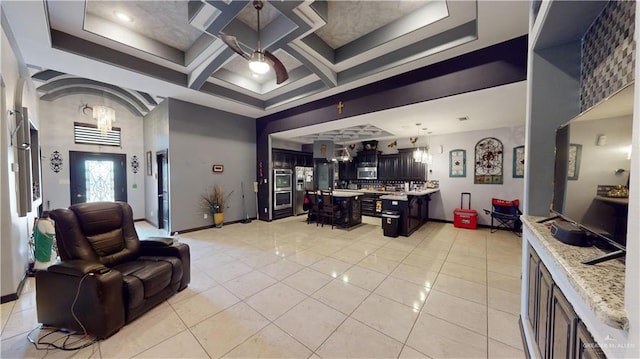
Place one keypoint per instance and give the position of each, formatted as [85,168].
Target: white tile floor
[286,289]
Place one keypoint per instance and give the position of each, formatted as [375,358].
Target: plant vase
[218,219]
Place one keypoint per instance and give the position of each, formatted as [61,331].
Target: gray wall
[200,137]
[156,138]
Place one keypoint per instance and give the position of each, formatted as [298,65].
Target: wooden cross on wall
[340,106]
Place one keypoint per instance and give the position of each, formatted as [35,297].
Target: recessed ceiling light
[123,17]
[255,75]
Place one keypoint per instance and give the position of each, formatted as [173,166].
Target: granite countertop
[395,197]
[345,193]
[600,286]
[423,192]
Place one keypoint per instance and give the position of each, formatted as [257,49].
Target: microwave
[367,173]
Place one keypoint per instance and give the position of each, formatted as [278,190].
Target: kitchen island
[349,203]
[413,207]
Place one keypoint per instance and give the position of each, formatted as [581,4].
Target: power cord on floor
[83,337]
[40,343]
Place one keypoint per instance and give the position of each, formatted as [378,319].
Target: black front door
[96,177]
[163,189]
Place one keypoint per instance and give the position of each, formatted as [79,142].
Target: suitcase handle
[462,198]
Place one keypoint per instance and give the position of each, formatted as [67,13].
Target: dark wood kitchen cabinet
[347,171]
[367,157]
[558,331]
[289,159]
[388,168]
[409,169]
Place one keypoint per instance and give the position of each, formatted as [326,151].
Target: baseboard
[16,295]
[523,337]
[211,226]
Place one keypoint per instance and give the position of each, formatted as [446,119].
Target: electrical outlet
[206,216]
[151,213]
[265,210]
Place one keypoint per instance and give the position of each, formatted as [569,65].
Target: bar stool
[327,209]
[314,206]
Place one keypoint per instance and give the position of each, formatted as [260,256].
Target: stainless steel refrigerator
[304,182]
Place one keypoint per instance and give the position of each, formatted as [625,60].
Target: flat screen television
[591,171]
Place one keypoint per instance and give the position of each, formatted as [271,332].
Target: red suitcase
[465,218]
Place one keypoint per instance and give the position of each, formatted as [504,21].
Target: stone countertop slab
[600,286]
[342,193]
[410,193]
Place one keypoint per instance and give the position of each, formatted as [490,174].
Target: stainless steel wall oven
[282,189]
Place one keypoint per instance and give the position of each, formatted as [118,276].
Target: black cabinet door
[418,171]
[562,327]
[388,167]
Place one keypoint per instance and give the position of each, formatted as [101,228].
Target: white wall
[14,231]
[444,202]
[57,135]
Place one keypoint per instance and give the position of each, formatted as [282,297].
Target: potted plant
[215,202]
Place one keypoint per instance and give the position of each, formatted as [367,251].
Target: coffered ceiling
[173,48]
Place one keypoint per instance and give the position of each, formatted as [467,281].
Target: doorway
[162,160]
[97,177]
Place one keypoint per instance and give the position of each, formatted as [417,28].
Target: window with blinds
[86,133]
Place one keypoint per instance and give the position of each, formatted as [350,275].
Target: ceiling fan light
[257,63]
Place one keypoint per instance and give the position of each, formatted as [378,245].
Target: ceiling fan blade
[278,67]
[232,42]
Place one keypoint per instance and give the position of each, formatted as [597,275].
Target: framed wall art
[488,161]
[573,168]
[458,163]
[518,162]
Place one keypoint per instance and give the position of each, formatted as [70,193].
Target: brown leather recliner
[107,277]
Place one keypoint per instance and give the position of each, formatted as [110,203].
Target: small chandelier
[421,154]
[105,116]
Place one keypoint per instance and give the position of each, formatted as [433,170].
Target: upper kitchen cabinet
[409,168]
[389,168]
[347,170]
[367,158]
[288,159]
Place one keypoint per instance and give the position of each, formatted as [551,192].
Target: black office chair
[505,215]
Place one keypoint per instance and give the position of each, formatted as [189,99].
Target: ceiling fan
[258,60]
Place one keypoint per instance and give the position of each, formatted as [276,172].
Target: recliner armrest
[157,242]
[175,249]
[77,267]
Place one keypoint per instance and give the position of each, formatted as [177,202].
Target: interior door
[162,160]
[96,177]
